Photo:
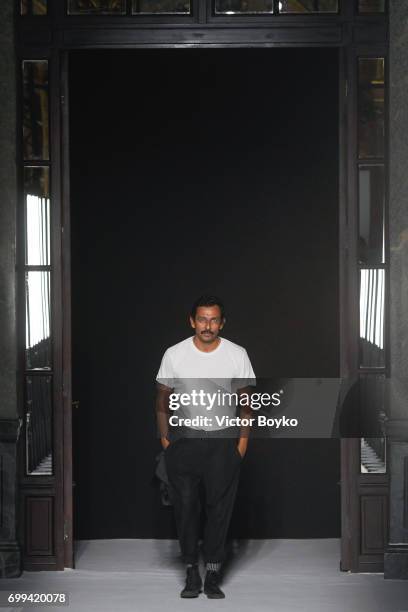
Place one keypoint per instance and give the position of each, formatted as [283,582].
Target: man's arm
[162,412]
[246,412]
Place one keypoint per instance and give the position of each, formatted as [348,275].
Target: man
[211,452]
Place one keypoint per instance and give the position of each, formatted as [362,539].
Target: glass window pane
[39,425]
[371,6]
[371,214]
[229,7]
[372,289]
[33,7]
[161,6]
[372,456]
[372,405]
[371,107]
[308,6]
[37,215]
[35,113]
[373,420]
[38,341]
[97,7]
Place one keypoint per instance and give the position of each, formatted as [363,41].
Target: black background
[193,171]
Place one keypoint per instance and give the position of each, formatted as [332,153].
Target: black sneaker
[211,588]
[193,583]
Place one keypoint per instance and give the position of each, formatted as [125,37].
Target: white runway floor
[264,575]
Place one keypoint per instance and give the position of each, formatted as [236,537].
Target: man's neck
[206,347]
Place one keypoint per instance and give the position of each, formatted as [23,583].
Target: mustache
[207,332]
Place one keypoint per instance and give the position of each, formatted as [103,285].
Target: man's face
[207,323]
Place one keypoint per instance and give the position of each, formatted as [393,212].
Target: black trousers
[214,461]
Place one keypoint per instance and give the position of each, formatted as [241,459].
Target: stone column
[396,555]
[10,558]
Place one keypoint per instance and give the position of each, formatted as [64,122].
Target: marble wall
[10,554]
[396,557]
[8,396]
[10,558]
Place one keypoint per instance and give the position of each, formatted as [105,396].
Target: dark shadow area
[192,171]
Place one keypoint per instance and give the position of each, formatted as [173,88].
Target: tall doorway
[201,170]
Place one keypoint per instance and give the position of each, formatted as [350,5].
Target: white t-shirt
[185,369]
[185,360]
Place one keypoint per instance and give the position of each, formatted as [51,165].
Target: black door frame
[52,38]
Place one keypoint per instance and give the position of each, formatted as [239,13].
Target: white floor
[264,575]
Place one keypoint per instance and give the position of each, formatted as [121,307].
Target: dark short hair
[207,300]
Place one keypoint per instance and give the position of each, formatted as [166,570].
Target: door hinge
[62,100]
[346,88]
